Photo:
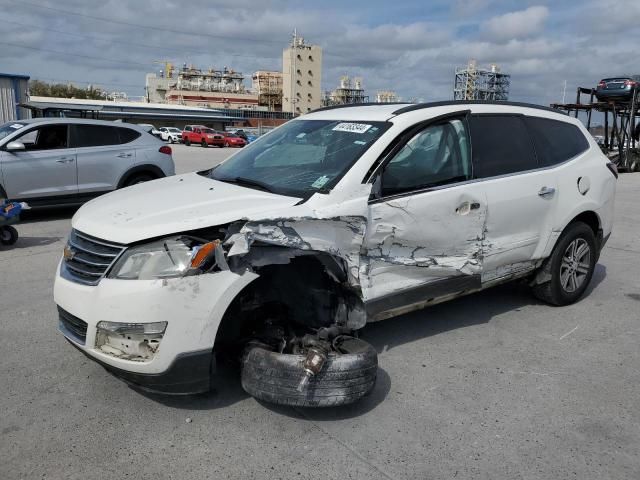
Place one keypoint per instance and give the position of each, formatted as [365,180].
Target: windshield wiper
[248,182]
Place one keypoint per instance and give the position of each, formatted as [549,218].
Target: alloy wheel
[575,266]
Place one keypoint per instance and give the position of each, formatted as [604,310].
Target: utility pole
[564,92]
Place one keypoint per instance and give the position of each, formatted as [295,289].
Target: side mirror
[15,146]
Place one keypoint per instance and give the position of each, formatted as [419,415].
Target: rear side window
[127,135]
[500,145]
[94,136]
[555,141]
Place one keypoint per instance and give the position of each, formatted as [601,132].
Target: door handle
[546,192]
[65,160]
[124,155]
[466,207]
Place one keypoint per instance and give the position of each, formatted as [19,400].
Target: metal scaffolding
[346,93]
[473,83]
[621,142]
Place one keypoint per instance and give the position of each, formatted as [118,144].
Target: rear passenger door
[521,195]
[104,154]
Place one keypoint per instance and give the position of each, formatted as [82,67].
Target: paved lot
[494,385]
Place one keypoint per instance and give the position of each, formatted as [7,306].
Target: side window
[49,137]
[127,134]
[556,141]
[437,155]
[187,128]
[94,136]
[501,144]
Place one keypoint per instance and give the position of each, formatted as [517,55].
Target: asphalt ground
[495,385]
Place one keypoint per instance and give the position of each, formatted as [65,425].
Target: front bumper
[193,308]
[188,374]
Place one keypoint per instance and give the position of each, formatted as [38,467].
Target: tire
[138,178]
[570,266]
[187,142]
[8,235]
[204,144]
[345,377]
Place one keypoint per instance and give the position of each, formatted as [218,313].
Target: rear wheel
[8,235]
[570,266]
[138,178]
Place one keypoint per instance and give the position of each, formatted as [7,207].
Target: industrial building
[473,83]
[268,86]
[386,96]
[301,76]
[199,88]
[347,93]
[13,91]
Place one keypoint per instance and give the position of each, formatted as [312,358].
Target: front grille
[87,259]
[72,326]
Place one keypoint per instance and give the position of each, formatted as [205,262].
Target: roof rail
[419,106]
[364,104]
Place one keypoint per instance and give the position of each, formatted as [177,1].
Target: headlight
[166,258]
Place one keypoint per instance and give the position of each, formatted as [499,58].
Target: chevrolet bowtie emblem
[68,254]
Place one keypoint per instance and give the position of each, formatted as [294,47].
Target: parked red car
[233,140]
[205,136]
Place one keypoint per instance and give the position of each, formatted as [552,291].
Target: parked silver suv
[58,161]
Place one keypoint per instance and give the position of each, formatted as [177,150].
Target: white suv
[170,134]
[56,161]
[338,218]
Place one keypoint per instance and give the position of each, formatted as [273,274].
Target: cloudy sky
[410,46]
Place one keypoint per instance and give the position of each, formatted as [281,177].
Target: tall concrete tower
[301,76]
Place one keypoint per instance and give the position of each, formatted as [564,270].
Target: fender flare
[138,169]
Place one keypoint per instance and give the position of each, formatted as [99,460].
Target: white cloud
[521,24]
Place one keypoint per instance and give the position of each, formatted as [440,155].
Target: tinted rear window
[555,141]
[500,145]
[93,135]
[127,135]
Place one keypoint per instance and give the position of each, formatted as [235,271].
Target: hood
[172,205]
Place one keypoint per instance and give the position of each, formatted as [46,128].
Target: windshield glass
[208,130]
[9,128]
[174,130]
[301,157]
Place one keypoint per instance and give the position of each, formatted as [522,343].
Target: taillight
[165,149]
[613,169]
[630,83]
[602,85]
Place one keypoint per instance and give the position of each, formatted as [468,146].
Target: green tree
[39,88]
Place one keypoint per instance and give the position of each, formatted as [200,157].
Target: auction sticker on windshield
[352,127]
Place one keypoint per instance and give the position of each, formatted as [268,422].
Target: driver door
[46,168]
[425,222]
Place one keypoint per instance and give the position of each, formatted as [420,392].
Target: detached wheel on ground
[570,266]
[8,235]
[346,376]
[138,178]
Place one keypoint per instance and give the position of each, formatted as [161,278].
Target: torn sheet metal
[341,237]
[419,239]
